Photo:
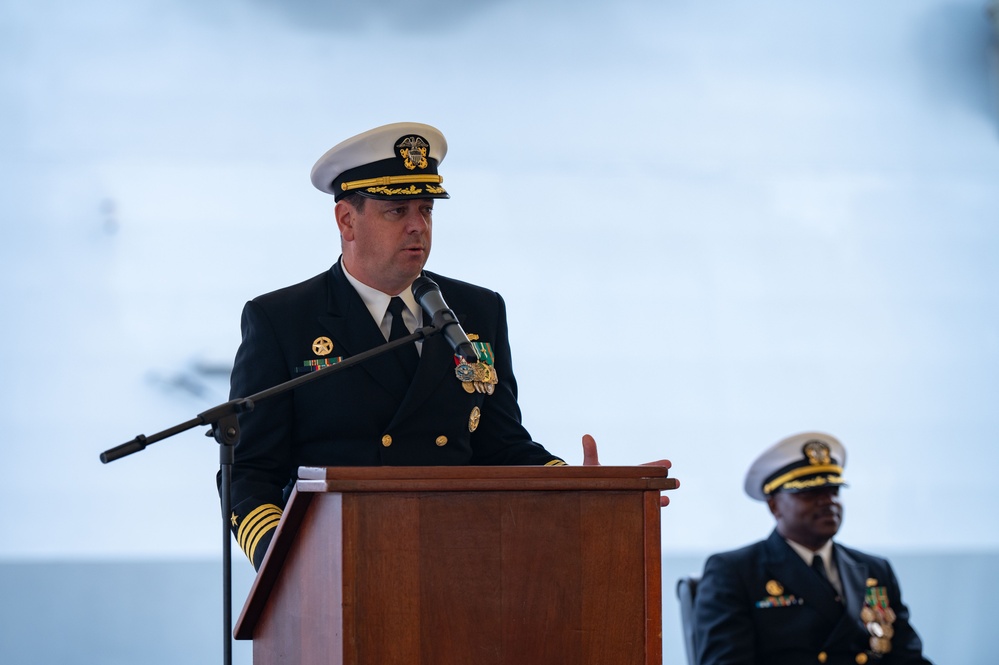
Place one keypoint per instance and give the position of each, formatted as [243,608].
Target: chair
[686,589]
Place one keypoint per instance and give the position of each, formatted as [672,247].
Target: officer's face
[386,243]
[809,518]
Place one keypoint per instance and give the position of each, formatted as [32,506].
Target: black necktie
[820,569]
[407,352]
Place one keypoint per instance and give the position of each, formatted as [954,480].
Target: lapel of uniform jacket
[436,365]
[354,331]
[436,362]
[853,575]
[785,566]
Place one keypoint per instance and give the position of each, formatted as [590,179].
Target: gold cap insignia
[413,150]
[817,452]
[322,346]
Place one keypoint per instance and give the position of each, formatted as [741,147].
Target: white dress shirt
[378,302]
[826,552]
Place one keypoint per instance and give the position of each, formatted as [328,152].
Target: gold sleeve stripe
[264,528]
[556,462]
[390,180]
[793,474]
[260,520]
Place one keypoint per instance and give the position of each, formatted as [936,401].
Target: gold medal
[878,617]
[473,419]
[483,373]
[464,371]
[477,377]
[880,645]
[774,588]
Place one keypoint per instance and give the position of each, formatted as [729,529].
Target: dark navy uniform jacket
[762,605]
[361,416]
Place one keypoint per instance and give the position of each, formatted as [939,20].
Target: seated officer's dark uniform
[368,415]
[763,605]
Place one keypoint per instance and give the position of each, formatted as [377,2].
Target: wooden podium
[462,566]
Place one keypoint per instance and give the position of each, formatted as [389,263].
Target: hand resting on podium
[590,458]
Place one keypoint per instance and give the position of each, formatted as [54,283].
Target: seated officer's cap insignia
[397,161]
[817,452]
[798,463]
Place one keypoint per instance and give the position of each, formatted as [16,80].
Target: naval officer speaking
[447,400]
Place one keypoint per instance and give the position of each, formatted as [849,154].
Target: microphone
[428,294]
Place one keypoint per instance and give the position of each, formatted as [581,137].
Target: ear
[774,507]
[345,215]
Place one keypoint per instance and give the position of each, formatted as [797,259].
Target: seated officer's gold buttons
[387,440]
[861,658]
[441,440]
[823,656]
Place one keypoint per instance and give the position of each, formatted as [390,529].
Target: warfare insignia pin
[322,346]
[774,588]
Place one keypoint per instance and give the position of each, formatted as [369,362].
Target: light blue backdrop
[715,224]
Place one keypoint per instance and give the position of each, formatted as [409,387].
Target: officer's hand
[590,458]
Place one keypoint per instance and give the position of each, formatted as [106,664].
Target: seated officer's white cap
[397,161]
[798,463]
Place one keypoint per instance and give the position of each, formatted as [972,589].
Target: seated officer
[799,597]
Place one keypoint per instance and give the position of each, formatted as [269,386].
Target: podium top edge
[478,472]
